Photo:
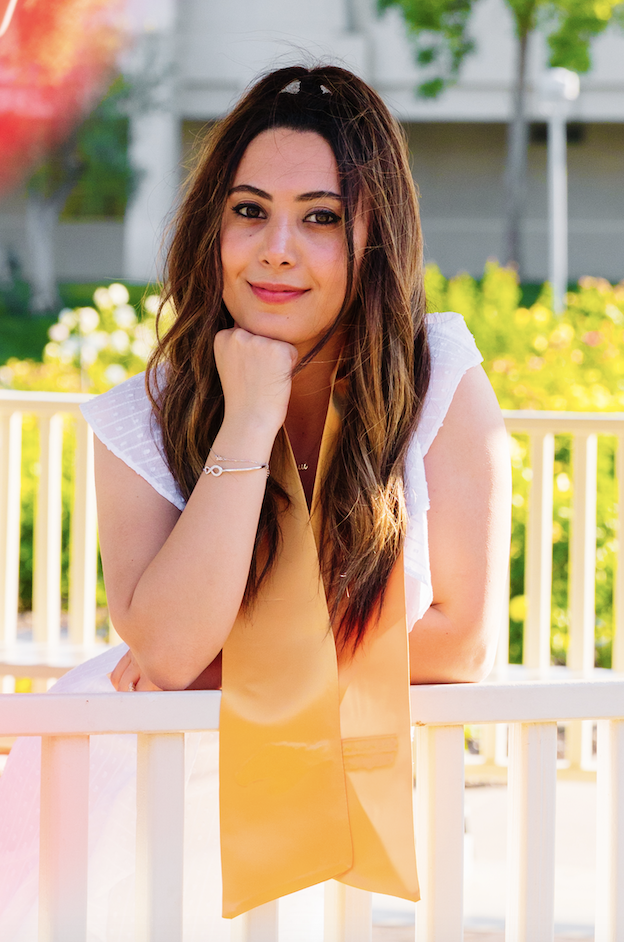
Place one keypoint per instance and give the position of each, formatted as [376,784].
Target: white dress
[122,420]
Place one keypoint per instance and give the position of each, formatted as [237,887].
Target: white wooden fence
[160,719]
[533,709]
[46,656]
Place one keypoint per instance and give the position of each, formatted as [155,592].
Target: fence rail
[48,408]
[532,710]
[584,429]
[160,719]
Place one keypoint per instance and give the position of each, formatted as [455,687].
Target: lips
[275,293]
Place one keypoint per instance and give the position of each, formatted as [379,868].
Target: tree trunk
[41,220]
[43,206]
[517,145]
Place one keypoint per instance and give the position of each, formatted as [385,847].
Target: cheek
[330,263]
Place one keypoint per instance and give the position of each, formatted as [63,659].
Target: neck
[308,404]
[311,387]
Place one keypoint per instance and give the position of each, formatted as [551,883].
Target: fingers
[131,675]
[120,667]
[144,684]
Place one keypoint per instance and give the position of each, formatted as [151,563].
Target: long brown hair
[384,367]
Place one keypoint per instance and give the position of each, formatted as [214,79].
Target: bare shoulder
[134,522]
[469,479]
[472,434]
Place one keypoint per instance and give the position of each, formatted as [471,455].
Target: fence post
[538,567]
[47,556]
[440,832]
[160,837]
[258,925]
[610,832]
[83,572]
[64,839]
[532,781]
[348,914]
[10,486]
[583,554]
[617,660]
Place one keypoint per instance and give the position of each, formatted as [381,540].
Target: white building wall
[217,47]
[222,47]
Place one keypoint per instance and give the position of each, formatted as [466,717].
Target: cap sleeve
[453,351]
[123,420]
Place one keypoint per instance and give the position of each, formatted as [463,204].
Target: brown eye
[323,217]
[249,211]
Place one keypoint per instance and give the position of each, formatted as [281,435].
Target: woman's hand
[128,672]
[256,375]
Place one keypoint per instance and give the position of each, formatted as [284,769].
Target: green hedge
[535,360]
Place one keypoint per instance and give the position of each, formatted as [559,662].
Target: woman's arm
[175,581]
[469,480]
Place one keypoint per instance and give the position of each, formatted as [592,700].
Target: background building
[208,51]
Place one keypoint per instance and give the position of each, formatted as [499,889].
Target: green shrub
[538,360]
[90,349]
[535,360]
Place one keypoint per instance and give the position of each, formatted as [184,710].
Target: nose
[278,248]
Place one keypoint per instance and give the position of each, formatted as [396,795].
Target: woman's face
[283,247]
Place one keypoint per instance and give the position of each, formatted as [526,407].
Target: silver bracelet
[216,470]
[233,460]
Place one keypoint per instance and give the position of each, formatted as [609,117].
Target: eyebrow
[302,198]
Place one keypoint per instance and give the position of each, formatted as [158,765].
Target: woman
[312,450]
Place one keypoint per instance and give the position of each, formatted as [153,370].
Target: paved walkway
[406,934]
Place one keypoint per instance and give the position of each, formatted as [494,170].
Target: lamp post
[558,87]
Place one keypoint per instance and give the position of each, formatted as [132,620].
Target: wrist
[245,441]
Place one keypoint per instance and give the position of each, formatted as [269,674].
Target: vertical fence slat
[348,914]
[47,556]
[532,781]
[440,832]
[10,485]
[83,574]
[583,553]
[610,832]
[160,837]
[538,560]
[617,662]
[64,839]
[258,925]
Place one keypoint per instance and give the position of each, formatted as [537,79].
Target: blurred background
[103,105]
[103,102]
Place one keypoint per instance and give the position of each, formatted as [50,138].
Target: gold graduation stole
[315,755]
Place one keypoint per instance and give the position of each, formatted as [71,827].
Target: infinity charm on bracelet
[216,470]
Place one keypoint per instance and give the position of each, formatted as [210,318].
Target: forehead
[284,160]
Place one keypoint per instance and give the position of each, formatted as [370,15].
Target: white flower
[151,304]
[69,348]
[118,294]
[58,332]
[99,340]
[88,318]
[145,333]
[88,353]
[125,316]
[119,341]
[68,317]
[53,351]
[6,375]
[103,299]
[141,349]
[115,374]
